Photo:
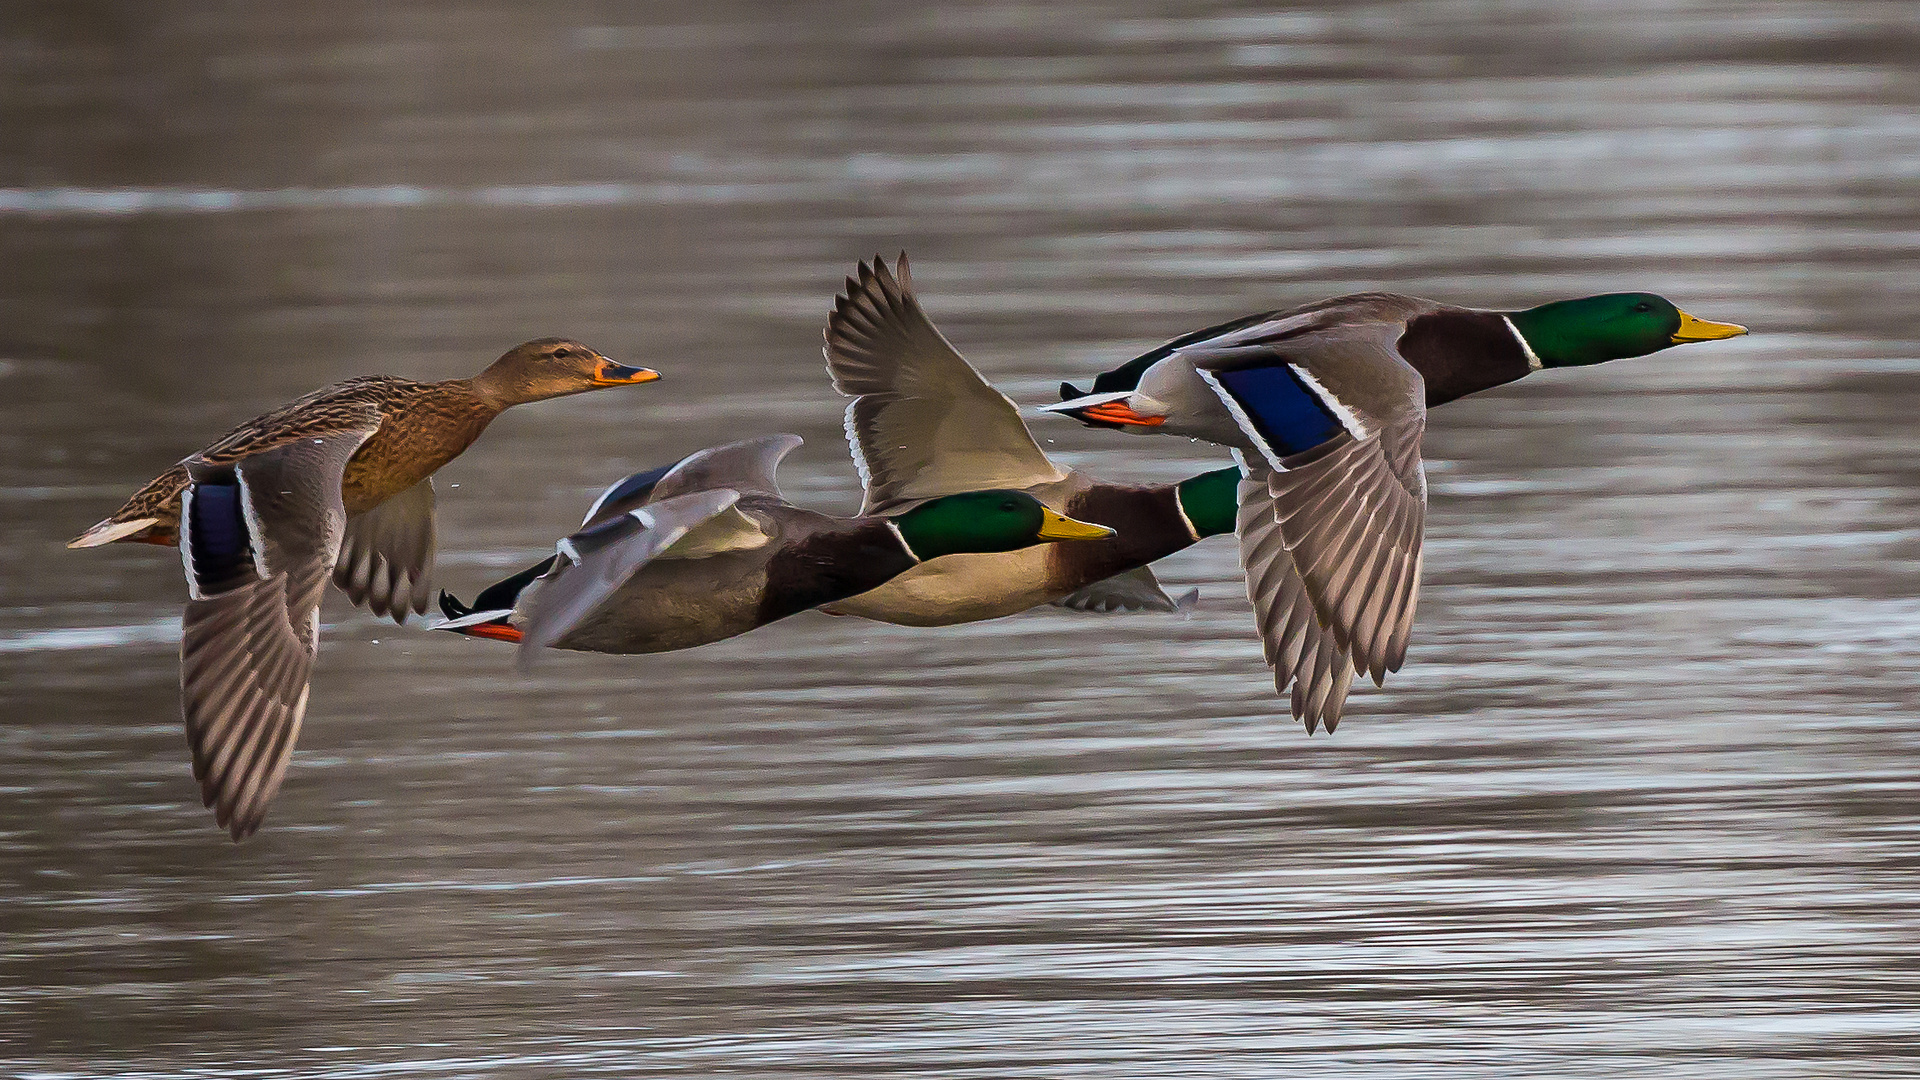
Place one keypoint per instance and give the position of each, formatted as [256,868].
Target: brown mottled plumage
[424,426]
[338,483]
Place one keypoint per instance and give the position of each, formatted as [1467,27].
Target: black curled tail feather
[502,595]
[505,593]
[451,607]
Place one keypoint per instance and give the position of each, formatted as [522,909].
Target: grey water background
[1642,803]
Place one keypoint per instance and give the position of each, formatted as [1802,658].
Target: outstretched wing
[923,423]
[623,495]
[1297,647]
[1353,525]
[259,536]
[1132,590]
[386,560]
[746,466]
[1336,418]
[593,563]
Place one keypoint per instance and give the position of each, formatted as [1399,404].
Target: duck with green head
[1325,405]
[923,424]
[708,548]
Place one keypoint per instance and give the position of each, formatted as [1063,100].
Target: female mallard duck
[924,424]
[337,483]
[708,548]
[1325,405]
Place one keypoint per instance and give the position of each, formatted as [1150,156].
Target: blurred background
[1642,801]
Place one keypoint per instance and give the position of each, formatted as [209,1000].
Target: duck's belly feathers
[959,588]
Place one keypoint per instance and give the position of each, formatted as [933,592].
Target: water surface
[1640,804]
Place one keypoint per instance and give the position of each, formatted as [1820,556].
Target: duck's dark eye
[1009,505]
[562,353]
[1643,306]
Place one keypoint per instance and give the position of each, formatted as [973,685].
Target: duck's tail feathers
[493,625]
[451,607]
[106,532]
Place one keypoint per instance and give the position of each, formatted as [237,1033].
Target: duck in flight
[708,548]
[335,485]
[1325,406]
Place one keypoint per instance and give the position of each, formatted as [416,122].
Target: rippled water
[1641,804]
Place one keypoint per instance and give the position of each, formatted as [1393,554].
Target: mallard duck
[708,548]
[335,484]
[1325,405]
[924,424]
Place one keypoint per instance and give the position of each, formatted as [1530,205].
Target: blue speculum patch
[1289,416]
[218,533]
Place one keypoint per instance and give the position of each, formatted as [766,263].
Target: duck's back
[423,426]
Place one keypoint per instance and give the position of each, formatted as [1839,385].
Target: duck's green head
[984,521]
[1595,329]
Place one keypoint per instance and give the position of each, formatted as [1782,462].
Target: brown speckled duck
[338,483]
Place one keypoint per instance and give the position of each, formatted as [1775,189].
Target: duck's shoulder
[1372,307]
[818,558]
[323,410]
[1148,524]
[406,401]
[1379,318]
[1455,350]
[1362,312]
[380,391]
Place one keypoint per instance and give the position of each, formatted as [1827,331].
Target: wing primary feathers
[923,423]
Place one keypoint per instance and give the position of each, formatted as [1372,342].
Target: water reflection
[1641,801]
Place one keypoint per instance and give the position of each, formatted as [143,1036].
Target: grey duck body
[807,559]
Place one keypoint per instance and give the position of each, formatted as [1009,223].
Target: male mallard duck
[1325,405]
[337,483]
[923,424]
[708,548]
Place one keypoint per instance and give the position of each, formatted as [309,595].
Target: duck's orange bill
[609,373]
[493,631]
[1117,412]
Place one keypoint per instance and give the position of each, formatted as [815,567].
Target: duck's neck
[497,394]
[1210,502]
[461,409]
[1152,522]
[1459,352]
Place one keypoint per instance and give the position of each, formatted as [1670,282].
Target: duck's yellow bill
[1061,527]
[609,373]
[1692,329]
